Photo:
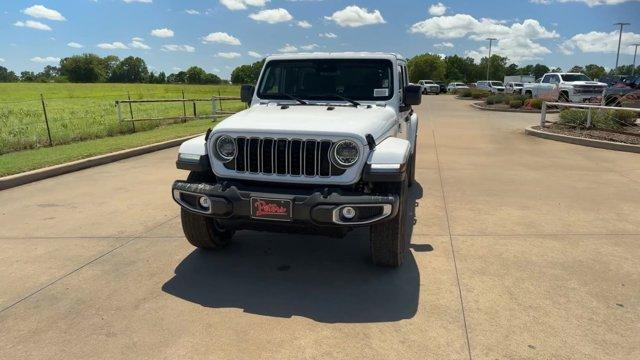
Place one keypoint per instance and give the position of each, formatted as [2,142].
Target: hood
[311,120]
[591,83]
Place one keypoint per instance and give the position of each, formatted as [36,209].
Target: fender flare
[388,161]
[192,155]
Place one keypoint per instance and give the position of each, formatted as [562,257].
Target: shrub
[464,92]
[479,94]
[533,104]
[573,117]
[626,117]
[515,104]
[609,120]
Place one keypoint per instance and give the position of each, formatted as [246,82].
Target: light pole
[635,52]
[619,41]
[491,40]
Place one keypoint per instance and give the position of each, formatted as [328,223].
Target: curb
[11,181]
[478,105]
[601,144]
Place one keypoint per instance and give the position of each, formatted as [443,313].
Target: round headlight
[226,147]
[346,153]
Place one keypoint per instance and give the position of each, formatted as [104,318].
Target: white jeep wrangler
[327,145]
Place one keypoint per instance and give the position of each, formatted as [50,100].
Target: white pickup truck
[327,144]
[565,87]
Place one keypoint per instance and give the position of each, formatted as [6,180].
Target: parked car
[429,87]
[454,86]
[518,79]
[565,87]
[626,91]
[443,86]
[513,87]
[494,87]
[326,145]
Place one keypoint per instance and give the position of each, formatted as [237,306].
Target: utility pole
[491,40]
[619,41]
[635,52]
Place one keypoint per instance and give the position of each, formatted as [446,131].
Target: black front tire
[388,238]
[201,231]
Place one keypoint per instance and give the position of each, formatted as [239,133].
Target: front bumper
[232,203]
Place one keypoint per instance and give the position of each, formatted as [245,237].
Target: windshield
[318,79]
[517,84]
[496,83]
[575,77]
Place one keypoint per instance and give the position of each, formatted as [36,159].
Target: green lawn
[80,112]
[21,161]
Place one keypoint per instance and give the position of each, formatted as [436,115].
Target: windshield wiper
[302,102]
[353,102]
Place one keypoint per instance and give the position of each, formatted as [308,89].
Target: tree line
[91,68]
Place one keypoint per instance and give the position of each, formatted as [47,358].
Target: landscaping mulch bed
[629,135]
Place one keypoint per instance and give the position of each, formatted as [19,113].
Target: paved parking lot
[523,248]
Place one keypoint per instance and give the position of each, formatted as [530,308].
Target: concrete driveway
[523,248]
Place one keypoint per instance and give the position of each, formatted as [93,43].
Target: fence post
[184,109]
[46,119]
[195,113]
[589,118]
[220,99]
[133,123]
[214,107]
[543,114]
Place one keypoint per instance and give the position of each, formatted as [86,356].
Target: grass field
[79,112]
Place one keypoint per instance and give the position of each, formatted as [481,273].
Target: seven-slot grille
[293,157]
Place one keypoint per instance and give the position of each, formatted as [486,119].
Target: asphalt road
[523,248]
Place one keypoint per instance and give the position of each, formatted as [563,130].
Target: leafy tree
[247,74]
[624,70]
[594,71]
[7,76]
[512,69]
[556,69]
[177,78]
[497,69]
[130,70]
[212,79]
[196,75]
[577,69]
[539,70]
[426,66]
[27,76]
[526,70]
[459,69]
[85,68]
[162,77]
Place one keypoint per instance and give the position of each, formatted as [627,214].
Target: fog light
[348,212]
[205,202]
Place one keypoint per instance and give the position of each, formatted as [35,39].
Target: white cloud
[328,35]
[515,41]
[600,42]
[443,44]
[354,16]
[309,47]
[75,45]
[437,9]
[242,4]
[254,54]
[174,48]
[222,38]
[33,25]
[288,48]
[41,12]
[192,12]
[162,33]
[138,43]
[113,46]
[48,59]
[138,1]
[304,24]
[1,60]
[272,16]
[228,55]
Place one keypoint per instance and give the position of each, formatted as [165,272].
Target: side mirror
[246,93]
[412,95]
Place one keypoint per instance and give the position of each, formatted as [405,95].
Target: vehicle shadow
[283,275]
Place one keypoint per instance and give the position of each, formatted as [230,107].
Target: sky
[219,35]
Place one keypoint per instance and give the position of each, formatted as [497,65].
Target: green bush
[533,104]
[608,120]
[464,92]
[479,94]
[515,104]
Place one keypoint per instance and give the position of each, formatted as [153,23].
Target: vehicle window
[575,77]
[357,79]
[496,83]
[516,84]
[546,79]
